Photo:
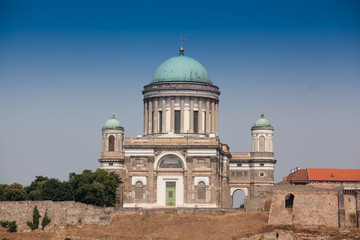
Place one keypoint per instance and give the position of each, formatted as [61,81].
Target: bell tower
[112,154]
[262,135]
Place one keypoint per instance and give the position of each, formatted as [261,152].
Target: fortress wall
[79,214]
[60,213]
[311,206]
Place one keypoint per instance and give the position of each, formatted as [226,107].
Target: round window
[262,174]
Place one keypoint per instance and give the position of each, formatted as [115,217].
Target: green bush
[12,226]
[36,216]
[45,221]
[4,224]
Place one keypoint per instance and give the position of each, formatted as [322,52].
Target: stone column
[207,116]
[146,115]
[156,115]
[216,118]
[189,182]
[200,113]
[150,117]
[191,118]
[212,129]
[214,181]
[151,180]
[172,118]
[182,115]
[164,115]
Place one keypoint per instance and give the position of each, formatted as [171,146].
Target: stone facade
[309,206]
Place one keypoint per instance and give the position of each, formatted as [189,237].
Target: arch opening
[170,161]
[238,198]
[111,143]
[289,201]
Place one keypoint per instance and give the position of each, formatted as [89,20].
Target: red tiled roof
[299,176]
[328,174]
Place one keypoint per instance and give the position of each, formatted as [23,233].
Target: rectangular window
[239,164]
[160,122]
[239,174]
[233,174]
[110,164]
[196,122]
[245,174]
[261,164]
[177,121]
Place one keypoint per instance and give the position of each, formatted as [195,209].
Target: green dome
[181,69]
[113,123]
[262,123]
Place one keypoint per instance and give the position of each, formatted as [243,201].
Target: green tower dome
[262,123]
[113,123]
[181,69]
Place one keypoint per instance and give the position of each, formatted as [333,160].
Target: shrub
[4,224]
[12,226]
[45,221]
[36,216]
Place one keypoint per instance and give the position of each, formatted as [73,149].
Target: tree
[2,191]
[36,216]
[34,190]
[45,221]
[98,188]
[15,192]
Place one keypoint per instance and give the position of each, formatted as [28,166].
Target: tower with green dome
[112,154]
[262,135]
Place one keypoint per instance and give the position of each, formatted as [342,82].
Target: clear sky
[65,65]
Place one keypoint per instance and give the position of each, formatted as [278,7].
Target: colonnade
[198,115]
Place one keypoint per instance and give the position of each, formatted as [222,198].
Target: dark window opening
[239,165]
[177,121]
[289,201]
[111,143]
[239,174]
[160,122]
[152,122]
[196,122]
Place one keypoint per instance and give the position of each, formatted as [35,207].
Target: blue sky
[65,65]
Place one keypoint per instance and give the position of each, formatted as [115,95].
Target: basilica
[179,160]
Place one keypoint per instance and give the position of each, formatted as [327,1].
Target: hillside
[251,225]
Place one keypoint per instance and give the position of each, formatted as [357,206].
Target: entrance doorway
[170,193]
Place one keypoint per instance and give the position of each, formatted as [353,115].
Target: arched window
[170,161]
[111,143]
[201,191]
[262,144]
[289,201]
[139,190]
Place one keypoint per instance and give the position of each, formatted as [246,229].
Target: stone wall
[60,213]
[79,214]
[313,207]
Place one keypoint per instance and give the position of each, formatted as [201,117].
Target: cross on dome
[182,40]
